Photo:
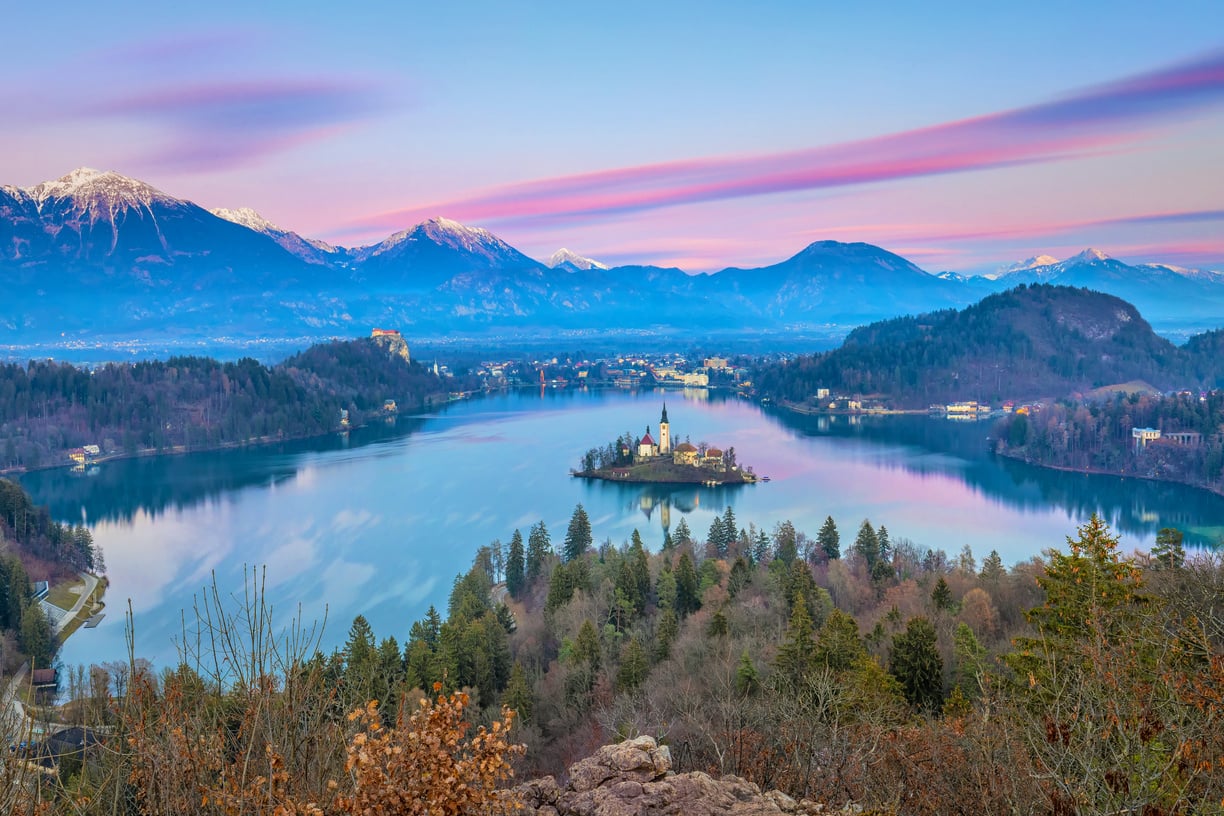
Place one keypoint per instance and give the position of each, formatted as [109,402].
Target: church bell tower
[664,433]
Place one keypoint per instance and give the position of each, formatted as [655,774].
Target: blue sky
[696,134]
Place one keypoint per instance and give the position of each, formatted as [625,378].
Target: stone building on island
[648,449]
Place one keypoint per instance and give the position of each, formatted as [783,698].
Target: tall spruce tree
[867,545]
[688,586]
[539,547]
[577,536]
[828,539]
[516,566]
[795,658]
[916,664]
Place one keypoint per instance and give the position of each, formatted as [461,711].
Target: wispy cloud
[1103,119]
[205,102]
[222,124]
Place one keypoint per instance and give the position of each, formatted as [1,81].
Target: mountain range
[99,255]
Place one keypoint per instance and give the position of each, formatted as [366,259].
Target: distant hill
[96,257]
[197,403]
[1029,342]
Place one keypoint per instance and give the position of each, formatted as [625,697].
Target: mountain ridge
[97,253]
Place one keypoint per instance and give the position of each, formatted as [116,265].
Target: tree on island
[578,536]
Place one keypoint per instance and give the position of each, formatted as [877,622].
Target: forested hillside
[836,668]
[33,547]
[1097,435]
[192,403]
[1027,343]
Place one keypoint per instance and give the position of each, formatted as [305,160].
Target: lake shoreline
[1086,471]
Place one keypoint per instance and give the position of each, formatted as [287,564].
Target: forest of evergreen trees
[31,543]
[838,669]
[193,403]
[1096,435]
[1026,343]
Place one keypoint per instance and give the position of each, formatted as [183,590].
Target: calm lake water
[381,522]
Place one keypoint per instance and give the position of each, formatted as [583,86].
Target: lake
[381,521]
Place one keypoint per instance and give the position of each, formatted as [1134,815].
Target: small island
[642,459]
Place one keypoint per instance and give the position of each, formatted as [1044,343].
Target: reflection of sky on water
[382,522]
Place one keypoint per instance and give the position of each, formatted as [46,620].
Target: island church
[647,448]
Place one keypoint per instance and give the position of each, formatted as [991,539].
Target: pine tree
[992,569]
[786,543]
[884,544]
[1168,554]
[760,548]
[586,646]
[516,566]
[688,586]
[838,645]
[683,534]
[795,656]
[717,537]
[970,657]
[665,587]
[739,577]
[867,545]
[359,648]
[747,680]
[578,536]
[639,568]
[519,697]
[941,595]
[666,632]
[539,547]
[1086,584]
[916,664]
[1102,688]
[36,637]
[729,528]
[829,540]
[634,666]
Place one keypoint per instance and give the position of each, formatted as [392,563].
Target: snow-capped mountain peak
[564,256]
[447,233]
[247,218]
[291,241]
[99,189]
[456,235]
[1089,255]
[1035,262]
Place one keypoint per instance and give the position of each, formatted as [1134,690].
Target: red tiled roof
[646,440]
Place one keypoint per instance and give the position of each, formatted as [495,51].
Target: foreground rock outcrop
[634,778]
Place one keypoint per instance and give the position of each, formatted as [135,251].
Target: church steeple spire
[664,433]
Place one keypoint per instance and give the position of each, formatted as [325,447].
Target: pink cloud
[1104,119]
[226,124]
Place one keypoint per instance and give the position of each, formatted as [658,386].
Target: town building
[1142,436]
